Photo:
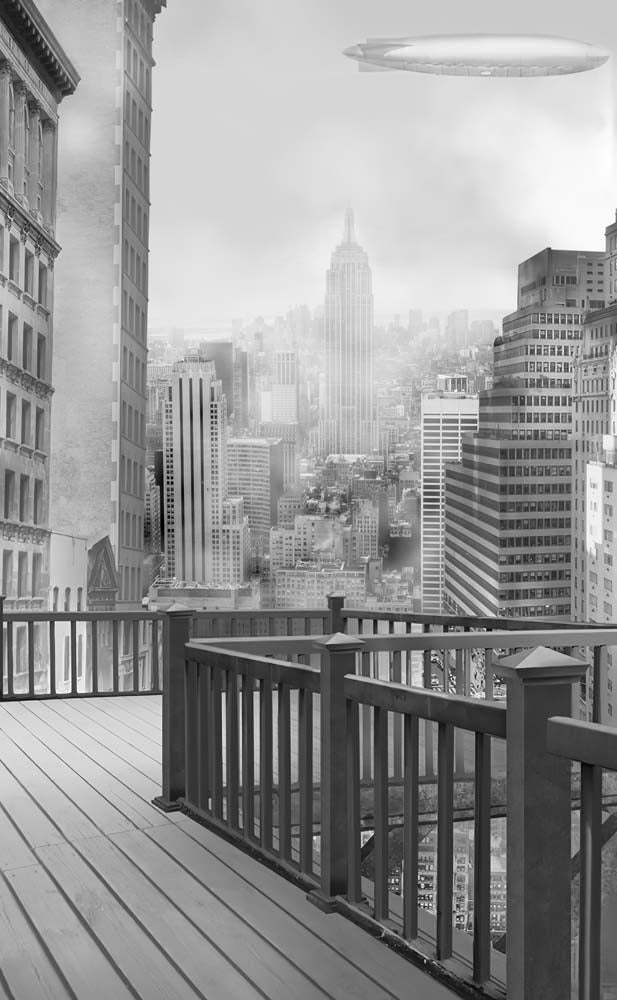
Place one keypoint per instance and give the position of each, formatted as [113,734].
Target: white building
[446,416]
[308,585]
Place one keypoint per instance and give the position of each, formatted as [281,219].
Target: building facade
[509,502]
[255,471]
[445,418]
[97,470]
[347,412]
[35,76]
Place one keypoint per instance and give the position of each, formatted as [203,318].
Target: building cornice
[29,533]
[27,223]
[24,379]
[37,40]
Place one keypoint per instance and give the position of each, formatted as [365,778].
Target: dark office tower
[222,353]
[347,421]
[508,516]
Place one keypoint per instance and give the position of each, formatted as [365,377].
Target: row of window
[133,317]
[20,577]
[29,155]
[515,507]
[133,424]
[24,432]
[136,168]
[538,594]
[131,531]
[135,266]
[134,371]
[536,540]
[130,583]
[131,476]
[541,418]
[20,351]
[533,523]
[136,68]
[136,216]
[21,502]
[29,273]
[136,119]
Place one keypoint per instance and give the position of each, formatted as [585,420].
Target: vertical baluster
[233,762]
[115,658]
[135,628]
[202,747]
[265,760]
[482,861]
[365,713]
[73,656]
[10,663]
[94,645]
[305,778]
[52,656]
[381,813]
[217,733]
[445,838]
[410,828]
[397,720]
[459,735]
[191,732]
[489,674]
[600,667]
[429,763]
[408,658]
[284,771]
[248,755]
[154,632]
[31,658]
[589,952]
[354,853]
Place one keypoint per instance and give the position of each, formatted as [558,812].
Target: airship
[478,55]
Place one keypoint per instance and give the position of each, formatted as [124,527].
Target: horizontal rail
[471,714]
[296,675]
[23,617]
[587,742]
[462,621]
[488,640]
[260,613]
[247,644]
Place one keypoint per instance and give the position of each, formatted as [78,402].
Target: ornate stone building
[35,75]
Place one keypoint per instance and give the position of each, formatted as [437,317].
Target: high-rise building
[285,387]
[446,417]
[508,503]
[101,287]
[194,470]
[255,472]
[347,413]
[35,75]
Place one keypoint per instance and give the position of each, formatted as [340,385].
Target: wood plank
[132,708]
[59,808]
[88,972]
[108,784]
[15,852]
[207,969]
[100,812]
[26,967]
[144,965]
[266,958]
[33,824]
[388,970]
[148,763]
[116,710]
[113,726]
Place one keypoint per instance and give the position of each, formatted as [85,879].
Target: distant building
[35,76]
[446,417]
[287,433]
[255,471]
[308,585]
[347,417]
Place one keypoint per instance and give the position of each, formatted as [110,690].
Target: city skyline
[421,160]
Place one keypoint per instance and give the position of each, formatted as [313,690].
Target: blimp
[478,55]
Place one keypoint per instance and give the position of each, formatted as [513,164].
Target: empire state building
[347,422]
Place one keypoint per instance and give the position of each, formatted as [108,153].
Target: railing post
[177,631]
[538,825]
[338,659]
[336,603]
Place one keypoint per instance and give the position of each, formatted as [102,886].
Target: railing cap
[541,664]
[340,642]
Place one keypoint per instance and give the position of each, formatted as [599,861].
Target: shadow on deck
[103,896]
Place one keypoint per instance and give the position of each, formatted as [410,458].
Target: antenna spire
[349,235]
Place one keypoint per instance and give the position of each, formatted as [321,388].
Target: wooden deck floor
[103,897]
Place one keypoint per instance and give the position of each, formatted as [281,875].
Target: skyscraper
[98,427]
[347,417]
[35,75]
[509,501]
[446,416]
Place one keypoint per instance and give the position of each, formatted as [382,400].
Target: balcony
[307,793]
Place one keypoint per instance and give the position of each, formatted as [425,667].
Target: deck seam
[103,715]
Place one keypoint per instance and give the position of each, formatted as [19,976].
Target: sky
[263,132]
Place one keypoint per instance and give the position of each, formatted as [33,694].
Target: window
[9,494]
[38,501]
[39,429]
[26,361]
[14,259]
[37,566]
[41,351]
[22,574]
[7,572]
[11,163]
[42,285]
[25,422]
[67,599]
[80,598]
[29,273]
[11,342]
[24,497]
[11,416]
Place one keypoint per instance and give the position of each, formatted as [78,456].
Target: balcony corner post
[338,659]
[177,631]
[336,602]
[538,825]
